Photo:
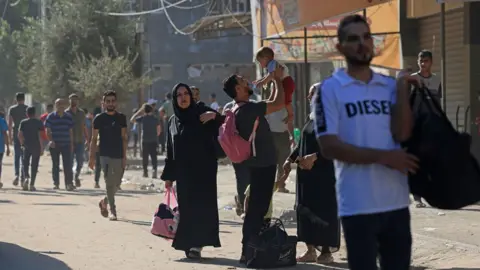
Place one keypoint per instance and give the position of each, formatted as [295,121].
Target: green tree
[59,53]
[8,62]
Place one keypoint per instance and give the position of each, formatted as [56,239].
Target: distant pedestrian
[4,142]
[150,131]
[43,118]
[134,135]
[16,114]
[214,104]
[161,137]
[98,167]
[80,135]
[30,137]
[111,127]
[168,106]
[59,126]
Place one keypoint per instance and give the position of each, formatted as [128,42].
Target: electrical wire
[183,7]
[163,8]
[5,8]
[196,28]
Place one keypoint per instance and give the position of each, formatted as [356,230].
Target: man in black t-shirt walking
[111,127]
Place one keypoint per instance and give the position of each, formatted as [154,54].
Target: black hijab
[188,114]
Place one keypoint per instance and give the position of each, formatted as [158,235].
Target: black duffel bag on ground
[449,176]
[276,248]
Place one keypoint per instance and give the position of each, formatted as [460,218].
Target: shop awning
[288,15]
[208,25]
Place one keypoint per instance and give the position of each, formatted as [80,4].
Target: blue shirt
[60,127]
[358,113]
[3,129]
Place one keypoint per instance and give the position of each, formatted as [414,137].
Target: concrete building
[220,46]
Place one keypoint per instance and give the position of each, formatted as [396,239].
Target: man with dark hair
[150,131]
[427,78]
[361,117]
[196,94]
[43,118]
[30,137]
[214,104]
[261,167]
[111,127]
[168,106]
[80,135]
[59,126]
[16,114]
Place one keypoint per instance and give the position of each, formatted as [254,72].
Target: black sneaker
[154,174]
[77,183]
[15,181]
[56,187]
[32,188]
[97,185]
[145,174]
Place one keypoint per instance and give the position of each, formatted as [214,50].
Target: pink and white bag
[166,218]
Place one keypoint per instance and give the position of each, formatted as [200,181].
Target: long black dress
[191,162]
[316,191]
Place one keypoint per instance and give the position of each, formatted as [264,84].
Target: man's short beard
[356,62]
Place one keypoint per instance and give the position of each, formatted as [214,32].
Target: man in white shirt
[360,119]
[214,104]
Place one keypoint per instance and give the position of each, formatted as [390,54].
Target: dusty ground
[58,230]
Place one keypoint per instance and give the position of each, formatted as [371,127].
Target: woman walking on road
[191,162]
[316,197]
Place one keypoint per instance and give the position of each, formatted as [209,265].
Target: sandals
[420,205]
[193,254]
[307,257]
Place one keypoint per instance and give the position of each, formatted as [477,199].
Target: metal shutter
[429,35]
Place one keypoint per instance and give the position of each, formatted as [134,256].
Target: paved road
[59,230]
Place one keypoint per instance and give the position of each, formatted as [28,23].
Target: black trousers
[66,153]
[30,161]
[98,167]
[387,235]
[149,150]
[262,180]
[242,175]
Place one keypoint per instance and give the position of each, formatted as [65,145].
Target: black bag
[276,248]
[449,176]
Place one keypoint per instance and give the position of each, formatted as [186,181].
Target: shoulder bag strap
[252,136]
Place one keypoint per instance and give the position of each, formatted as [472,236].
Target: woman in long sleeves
[191,161]
[315,196]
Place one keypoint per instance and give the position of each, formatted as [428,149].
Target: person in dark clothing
[191,162]
[316,192]
[16,114]
[30,137]
[98,167]
[161,137]
[261,166]
[150,132]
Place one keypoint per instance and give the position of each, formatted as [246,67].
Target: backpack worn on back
[235,147]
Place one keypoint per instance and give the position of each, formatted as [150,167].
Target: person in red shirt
[43,117]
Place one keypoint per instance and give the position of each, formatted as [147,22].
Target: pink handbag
[166,218]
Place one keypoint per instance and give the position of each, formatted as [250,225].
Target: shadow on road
[7,201]
[460,268]
[231,223]
[135,222]
[15,257]
[233,264]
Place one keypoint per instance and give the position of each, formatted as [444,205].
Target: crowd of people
[358,119]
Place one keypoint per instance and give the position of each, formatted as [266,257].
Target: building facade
[173,57]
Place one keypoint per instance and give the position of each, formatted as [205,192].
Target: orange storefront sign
[383,20]
[290,15]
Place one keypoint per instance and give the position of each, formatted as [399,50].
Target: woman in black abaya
[191,161]
[316,197]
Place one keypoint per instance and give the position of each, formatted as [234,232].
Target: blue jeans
[55,153]
[18,153]
[79,155]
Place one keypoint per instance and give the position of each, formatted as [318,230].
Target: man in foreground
[111,127]
[360,119]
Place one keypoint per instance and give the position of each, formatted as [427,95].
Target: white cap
[152,101]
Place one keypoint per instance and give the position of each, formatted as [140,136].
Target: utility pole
[138,65]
